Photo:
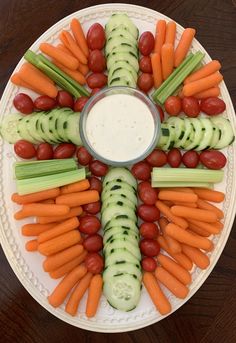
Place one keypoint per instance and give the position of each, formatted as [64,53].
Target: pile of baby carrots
[58,239]
[71,56]
[188,219]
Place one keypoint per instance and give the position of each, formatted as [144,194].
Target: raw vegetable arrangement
[109,230]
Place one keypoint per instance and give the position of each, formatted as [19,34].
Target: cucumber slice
[115,210]
[62,124]
[122,268]
[179,125]
[122,56]
[123,65]
[198,133]
[116,184]
[44,124]
[188,129]
[23,130]
[164,136]
[55,114]
[121,81]
[71,127]
[207,128]
[125,223]
[40,127]
[171,138]
[119,76]
[118,200]
[120,173]
[227,134]
[122,31]
[122,243]
[118,19]
[31,126]
[124,192]
[115,41]
[216,137]
[124,47]
[118,232]
[9,128]
[190,138]
[120,256]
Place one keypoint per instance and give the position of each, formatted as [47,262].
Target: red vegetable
[148,196]
[94,263]
[148,213]
[174,158]
[44,151]
[93,243]
[89,224]
[157,158]
[44,103]
[98,168]
[96,37]
[64,150]
[149,247]
[23,103]
[93,207]
[80,103]
[145,82]
[148,264]
[24,149]
[212,106]
[143,185]
[145,64]
[65,99]
[95,183]
[173,105]
[141,171]
[146,43]
[149,230]
[84,157]
[96,61]
[190,159]
[96,80]
[161,113]
[190,106]
[213,159]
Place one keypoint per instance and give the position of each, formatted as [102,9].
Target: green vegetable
[161,184]
[56,74]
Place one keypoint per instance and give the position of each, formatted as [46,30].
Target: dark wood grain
[210,315]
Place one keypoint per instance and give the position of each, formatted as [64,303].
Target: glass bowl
[112,91]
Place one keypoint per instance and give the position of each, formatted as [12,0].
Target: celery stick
[160,184]
[186,175]
[41,183]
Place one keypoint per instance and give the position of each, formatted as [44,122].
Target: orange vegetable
[63,288]
[79,198]
[209,194]
[179,189]
[63,48]
[203,84]
[35,209]
[194,213]
[35,197]
[184,45]
[177,196]
[156,69]
[31,245]
[67,267]
[74,74]
[79,36]
[173,245]
[170,32]
[197,256]
[158,298]
[35,229]
[74,212]
[206,70]
[76,187]
[48,201]
[83,68]
[211,228]
[94,295]
[77,294]
[187,204]
[198,230]
[67,39]
[175,269]
[160,35]
[211,92]
[207,206]
[15,78]
[170,216]
[167,60]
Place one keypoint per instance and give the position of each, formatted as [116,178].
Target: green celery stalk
[186,175]
[41,183]
[160,184]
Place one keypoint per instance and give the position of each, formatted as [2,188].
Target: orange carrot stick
[62,47]
[177,196]
[79,36]
[170,282]
[31,245]
[184,45]
[194,213]
[206,70]
[94,295]
[167,60]
[15,78]
[35,229]
[168,203]
[202,84]
[188,204]
[198,230]
[197,256]
[67,39]
[156,69]
[77,294]
[60,56]
[59,229]
[209,194]
[79,198]
[179,189]
[158,298]
[74,74]
[63,288]
[74,212]
[59,243]
[170,216]
[39,72]
[170,33]
[67,267]
[173,245]
[175,269]
[35,197]
[211,92]
[83,68]
[160,35]
[211,228]
[76,187]
[48,201]
[35,209]
[55,261]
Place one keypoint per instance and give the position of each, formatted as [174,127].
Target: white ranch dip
[120,127]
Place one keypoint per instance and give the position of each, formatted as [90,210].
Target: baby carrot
[206,70]
[35,197]
[79,36]
[60,56]
[77,294]
[170,282]
[63,48]
[173,245]
[35,209]
[35,229]
[67,39]
[15,78]
[209,194]
[59,243]
[74,74]
[75,187]
[198,230]
[168,203]
[210,92]
[197,256]
[158,298]
[175,269]
[160,35]
[177,196]
[57,260]
[211,228]
[94,295]
[78,198]
[187,204]
[59,229]
[31,245]
[48,201]
[167,60]
[170,216]
[156,69]
[194,213]
[184,236]
[179,189]
[67,267]
[170,33]
[74,212]
[184,45]
[203,84]
[67,283]
[38,72]
[83,68]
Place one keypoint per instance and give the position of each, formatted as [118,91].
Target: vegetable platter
[95,313]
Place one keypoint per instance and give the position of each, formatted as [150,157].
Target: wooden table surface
[210,315]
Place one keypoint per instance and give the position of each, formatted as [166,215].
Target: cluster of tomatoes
[146,46]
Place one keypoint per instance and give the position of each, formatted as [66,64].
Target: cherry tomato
[161,113]
[149,247]
[174,158]
[44,103]
[44,151]
[95,183]
[80,103]
[93,243]
[98,168]
[149,230]
[173,105]
[64,150]
[212,106]
[96,37]
[141,170]
[190,106]
[148,196]
[94,263]
[89,225]
[95,91]
[93,207]
[190,159]
[143,185]
[84,157]
[145,82]
[145,64]
[146,43]
[23,103]
[24,149]
[96,61]
[157,158]
[148,264]
[213,159]
[148,213]
[96,80]
[65,99]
